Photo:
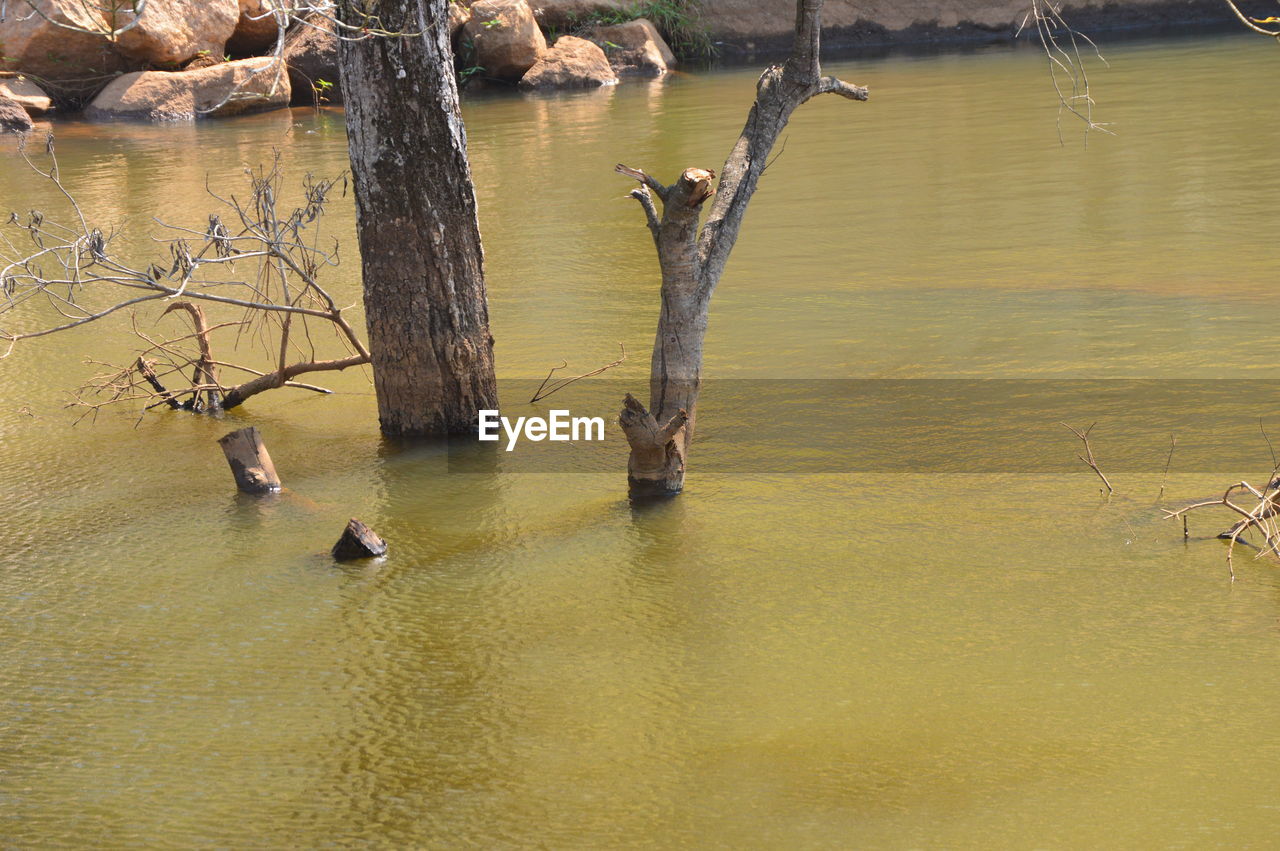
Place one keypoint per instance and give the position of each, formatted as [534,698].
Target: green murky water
[818,660]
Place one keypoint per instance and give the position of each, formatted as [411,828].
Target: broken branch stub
[358,541]
[656,465]
[250,462]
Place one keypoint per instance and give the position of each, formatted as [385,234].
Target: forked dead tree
[256,263]
[693,258]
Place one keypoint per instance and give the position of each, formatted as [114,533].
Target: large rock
[458,16]
[635,47]
[562,15]
[574,63]
[258,27]
[13,118]
[26,94]
[171,32]
[32,41]
[253,85]
[311,51]
[505,39]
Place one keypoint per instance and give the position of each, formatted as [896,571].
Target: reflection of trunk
[420,249]
[692,260]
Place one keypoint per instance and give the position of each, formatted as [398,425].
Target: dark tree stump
[358,541]
[250,462]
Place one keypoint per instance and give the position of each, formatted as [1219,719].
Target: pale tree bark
[692,259]
[421,258]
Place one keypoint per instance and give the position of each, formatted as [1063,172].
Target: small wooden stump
[358,541]
[250,462]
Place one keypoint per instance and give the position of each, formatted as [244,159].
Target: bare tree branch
[1067,71]
[75,269]
[1087,457]
[539,395]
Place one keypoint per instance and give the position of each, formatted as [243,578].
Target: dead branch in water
[539,395]
[1173,442]
[1087,457]
[1061,45]
[1258,517]
[72,270]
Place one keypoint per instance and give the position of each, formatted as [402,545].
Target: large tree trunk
[421,258]
[693,260]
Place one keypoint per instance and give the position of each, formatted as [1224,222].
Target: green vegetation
[679,21]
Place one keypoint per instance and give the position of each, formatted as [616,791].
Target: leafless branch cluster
[253,261]
[1062,47]
[1260,516]
[547,387]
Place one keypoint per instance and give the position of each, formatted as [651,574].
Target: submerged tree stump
[692,257]
[250,462]
[358,541]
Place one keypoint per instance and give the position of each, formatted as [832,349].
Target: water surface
[896,659]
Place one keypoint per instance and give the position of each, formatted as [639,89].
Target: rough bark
[422,263]
[692,259]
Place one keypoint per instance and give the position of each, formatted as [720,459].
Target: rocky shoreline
[195,59]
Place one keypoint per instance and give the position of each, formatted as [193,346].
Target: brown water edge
[770,660]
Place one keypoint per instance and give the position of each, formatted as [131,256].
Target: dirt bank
[754,26]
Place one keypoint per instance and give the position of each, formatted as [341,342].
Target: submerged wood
[250,462]
[358,541]
[692,259]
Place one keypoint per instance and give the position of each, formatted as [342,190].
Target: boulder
[13,118]
[31,41]
[635,47]
[573,63]
[561,15]
[258,29]
[171,32]
[311,52]
[505,39]
[458,16]
[26,94]
[254,85]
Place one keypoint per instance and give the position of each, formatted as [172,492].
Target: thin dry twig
[539,395]
[1087,457]
[1252,23]
[1067,65]
[1173,442]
